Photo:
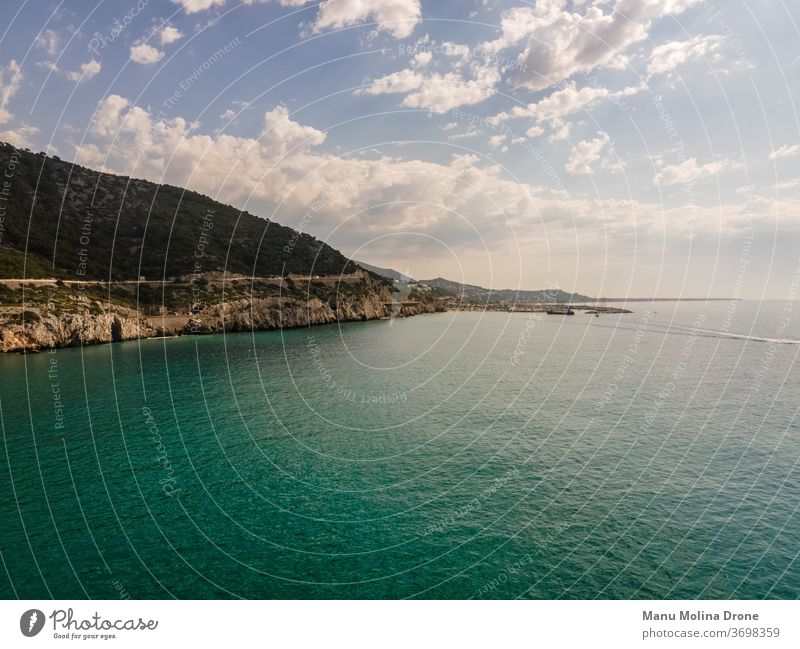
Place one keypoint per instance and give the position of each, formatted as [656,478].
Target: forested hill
[77,223]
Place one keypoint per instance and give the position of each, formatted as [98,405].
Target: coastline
[78,330]
[125,325]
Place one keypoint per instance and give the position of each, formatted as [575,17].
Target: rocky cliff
[72,329]
[244,314]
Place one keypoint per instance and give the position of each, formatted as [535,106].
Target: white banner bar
[400,624]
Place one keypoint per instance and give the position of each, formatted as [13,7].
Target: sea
[459,455]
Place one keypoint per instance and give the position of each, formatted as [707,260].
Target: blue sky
[630,147]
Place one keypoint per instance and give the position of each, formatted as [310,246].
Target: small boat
[566,311]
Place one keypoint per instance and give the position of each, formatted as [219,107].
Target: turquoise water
[457,455]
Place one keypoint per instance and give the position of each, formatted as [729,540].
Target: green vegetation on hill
[67,221]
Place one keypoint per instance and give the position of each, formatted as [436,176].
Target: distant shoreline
[670,299]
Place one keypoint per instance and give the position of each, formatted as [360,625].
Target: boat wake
[715,333]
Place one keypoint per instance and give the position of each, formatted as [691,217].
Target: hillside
[89,257]
[76,223]
[439,287]
[481,295]
[388,273]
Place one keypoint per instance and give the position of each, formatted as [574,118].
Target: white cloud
[553,109]
[496,141]
[19,137]
[561,134]
[146,54]
[438,92]
[10,80]
[519,22]
[534,131]
[689,171]
[448,48]
[465,135]
[785,151]
[228,115]
[108,117]
[667,57]
[787,184]
[283,166]
[90,155]
[50,41]
[169,35]
[558,42]
[86,72]
[558,104]
[465,201]
[397,82]
[281,136]
[421,59]
[397,17]
[194,6]
[585,153]
[614,165]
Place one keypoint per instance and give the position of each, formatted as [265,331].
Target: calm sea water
[458,455]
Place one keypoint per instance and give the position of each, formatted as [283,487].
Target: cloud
[689,171]
[561,134]
[10,80]
[19,137]
[585,153]
[397,17]
[667,57]
[86,72]
[558,43]
[284,166]
[421,59]
[90,155]
[496,141]
[785,151]
[438,92]
[397,82]
[788,184]
[107,119]
[237,107]
[169,35]
[555,107]
[465,135]
[194,6]
[50,41]
[146,54]
[534,131]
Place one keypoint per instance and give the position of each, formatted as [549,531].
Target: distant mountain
[406,285]
[388,273]
[63,220]
[481,295]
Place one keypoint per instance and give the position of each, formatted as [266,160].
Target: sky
[620,148]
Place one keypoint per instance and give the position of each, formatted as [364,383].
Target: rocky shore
[258,314]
